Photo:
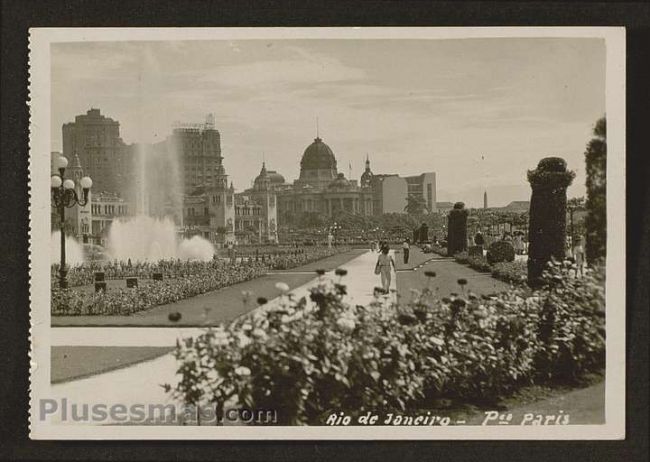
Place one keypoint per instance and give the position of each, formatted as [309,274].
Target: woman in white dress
[383,268]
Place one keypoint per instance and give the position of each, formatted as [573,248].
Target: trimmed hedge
[457,229]
[547,227]
[500,251]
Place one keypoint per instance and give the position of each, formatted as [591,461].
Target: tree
[576,225]
[596,167]
[548,205]
[415,204]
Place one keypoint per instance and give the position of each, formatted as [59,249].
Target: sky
[478,112]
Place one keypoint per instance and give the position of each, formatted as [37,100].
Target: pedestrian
[579,255]
[406,248]
[518,244]
[383,268]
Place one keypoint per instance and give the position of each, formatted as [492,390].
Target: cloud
[412,105]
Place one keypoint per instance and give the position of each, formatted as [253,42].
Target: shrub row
[512,272]
[311,357]
[213,275]
[72,302]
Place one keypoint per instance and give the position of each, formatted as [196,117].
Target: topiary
[500,251]
[548,204]
[457,229]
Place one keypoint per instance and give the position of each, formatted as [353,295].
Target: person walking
[579,255]
[383,268]
[520,246]
[406,249]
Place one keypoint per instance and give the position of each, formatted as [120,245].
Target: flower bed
[513,272]
[309,358]
[440,250]
[70,302]
[285,258]
[192,278]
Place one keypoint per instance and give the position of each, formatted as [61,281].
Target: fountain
[144,238]
[195,248]
[74,253]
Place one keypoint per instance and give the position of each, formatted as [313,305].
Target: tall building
[208,203]
[198,149]
[391,192]
[424,185]
[485,202]
[103,155]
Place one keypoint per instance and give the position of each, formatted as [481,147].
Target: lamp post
[64,195]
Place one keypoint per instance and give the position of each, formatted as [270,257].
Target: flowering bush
[513,272]
[287,261]
[310,357]
[440,249]
[72,302]
[500,251]
[572,322]
[191,278]
[84,274]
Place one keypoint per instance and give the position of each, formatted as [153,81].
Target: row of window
[247,211]
[108,209]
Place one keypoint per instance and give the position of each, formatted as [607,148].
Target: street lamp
[64,195]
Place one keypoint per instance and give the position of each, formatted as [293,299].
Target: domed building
[322,189]
[317,166]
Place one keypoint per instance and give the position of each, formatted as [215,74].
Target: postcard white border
[39,61]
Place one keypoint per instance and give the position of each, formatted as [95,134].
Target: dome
[268,177]
[275,177]
[318,156]
[339,182]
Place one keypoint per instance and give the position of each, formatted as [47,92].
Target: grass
[447,274]
[76,362]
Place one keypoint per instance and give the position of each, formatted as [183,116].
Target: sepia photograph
[327,233]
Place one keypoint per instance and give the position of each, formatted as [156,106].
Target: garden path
[141,383]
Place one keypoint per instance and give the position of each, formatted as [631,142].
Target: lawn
[75,362]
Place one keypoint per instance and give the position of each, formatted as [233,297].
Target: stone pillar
[457,229]
[547,227]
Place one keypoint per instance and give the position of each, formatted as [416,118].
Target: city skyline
[411,105]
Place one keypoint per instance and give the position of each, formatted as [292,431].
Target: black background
[18,16]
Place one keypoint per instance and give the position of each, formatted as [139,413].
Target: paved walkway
[585,406]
